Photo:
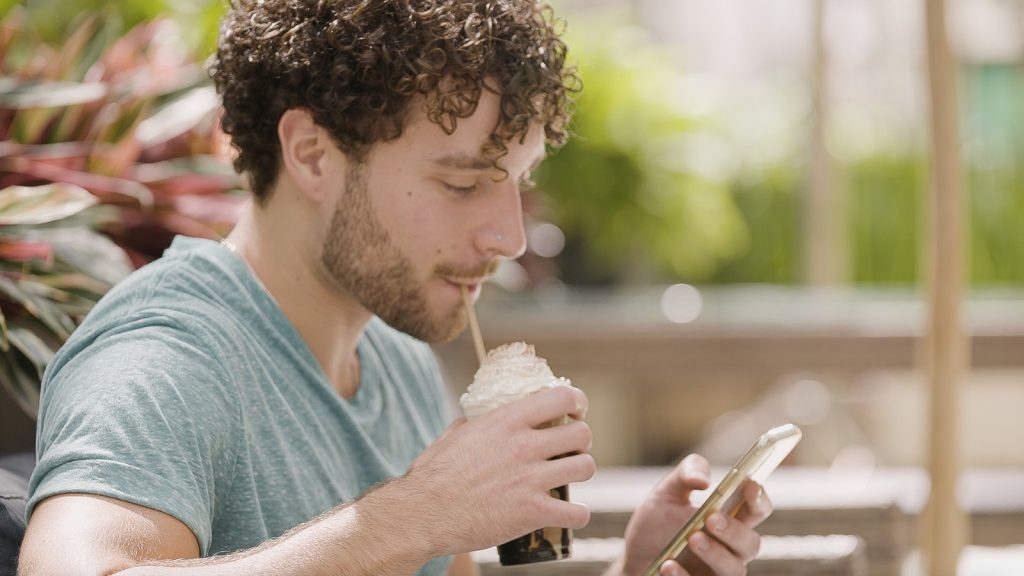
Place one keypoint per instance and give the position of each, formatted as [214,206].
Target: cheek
[425,225]
[421,228]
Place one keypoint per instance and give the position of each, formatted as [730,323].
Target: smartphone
[763,457]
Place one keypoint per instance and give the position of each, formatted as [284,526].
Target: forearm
[371,536]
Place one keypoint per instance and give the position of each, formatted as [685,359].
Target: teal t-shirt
[188,391]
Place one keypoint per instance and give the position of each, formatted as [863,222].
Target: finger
[566,514]
[572,438]
[672,568]
[693,473]
[718,558]
[549,405]
[562,471]
[756,505]
[738,537]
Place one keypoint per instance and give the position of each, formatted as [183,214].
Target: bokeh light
[681,303]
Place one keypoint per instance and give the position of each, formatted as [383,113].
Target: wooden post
[825,242]
[945,357]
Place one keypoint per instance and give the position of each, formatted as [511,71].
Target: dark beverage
[540,545]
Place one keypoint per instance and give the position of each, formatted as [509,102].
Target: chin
[449,328]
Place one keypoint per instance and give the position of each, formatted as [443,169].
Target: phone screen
[756,465]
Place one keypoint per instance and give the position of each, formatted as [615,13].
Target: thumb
[693,473]
[673,568]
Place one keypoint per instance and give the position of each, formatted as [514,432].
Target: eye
[460,190]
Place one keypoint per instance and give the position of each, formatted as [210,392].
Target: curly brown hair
[357,64]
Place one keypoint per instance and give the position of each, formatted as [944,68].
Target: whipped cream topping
[508,373]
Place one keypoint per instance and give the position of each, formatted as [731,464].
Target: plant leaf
[30,126]
[21,387]
[74,301]
[88,252]
[15,250]
[65,154]
[107,188]
[75,281]
[195,175]
[35,350]
[30,95]
[117,146]
[190,110]
[4,345]
[26,205]
[69,59]
[10,24]
[47,312]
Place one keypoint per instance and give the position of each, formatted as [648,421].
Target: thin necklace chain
[355,370]
[234,250]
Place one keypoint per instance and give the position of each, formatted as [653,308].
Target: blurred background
[732,239]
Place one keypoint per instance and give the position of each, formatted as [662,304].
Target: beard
[361,260]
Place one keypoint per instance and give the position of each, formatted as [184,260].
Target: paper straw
[478,341]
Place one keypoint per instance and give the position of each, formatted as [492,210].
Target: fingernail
[697,474]
[699,542]
[716,523]
[762,498]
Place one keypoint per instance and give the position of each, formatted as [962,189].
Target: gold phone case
[757,464]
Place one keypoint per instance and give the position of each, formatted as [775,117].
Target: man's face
[426,215]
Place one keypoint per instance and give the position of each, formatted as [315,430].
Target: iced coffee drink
[508,373]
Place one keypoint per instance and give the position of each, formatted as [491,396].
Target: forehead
[466,147]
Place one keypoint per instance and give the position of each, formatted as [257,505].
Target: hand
[488,480]
[724,547]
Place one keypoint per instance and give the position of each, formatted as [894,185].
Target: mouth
[470,278]
[472,285]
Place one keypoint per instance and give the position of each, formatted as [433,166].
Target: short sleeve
[145,415]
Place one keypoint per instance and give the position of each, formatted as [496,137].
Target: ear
[304,152]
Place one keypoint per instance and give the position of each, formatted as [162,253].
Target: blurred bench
[807,502]
[880,508]
[643,372]
[834,555]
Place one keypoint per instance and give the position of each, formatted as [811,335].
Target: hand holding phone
[757,464]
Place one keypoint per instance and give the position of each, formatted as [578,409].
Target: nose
[504,233]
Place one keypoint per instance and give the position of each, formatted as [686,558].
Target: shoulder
[184,304]
[152,347]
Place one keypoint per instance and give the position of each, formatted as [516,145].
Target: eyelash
[525,185]
[461,190]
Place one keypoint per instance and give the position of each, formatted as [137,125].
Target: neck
[286,263]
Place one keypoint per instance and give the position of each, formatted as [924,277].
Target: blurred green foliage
[624,208]
[109,147]
[623,190]
[769,206]
[635,207]
[886,193]
[51,19]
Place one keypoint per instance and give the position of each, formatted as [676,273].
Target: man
[267,405]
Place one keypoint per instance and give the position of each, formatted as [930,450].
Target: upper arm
[146,420]
[82,534]
[463,565]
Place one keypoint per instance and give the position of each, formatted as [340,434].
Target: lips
[472,286]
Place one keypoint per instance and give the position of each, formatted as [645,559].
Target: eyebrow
[476,162]
[464,162]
